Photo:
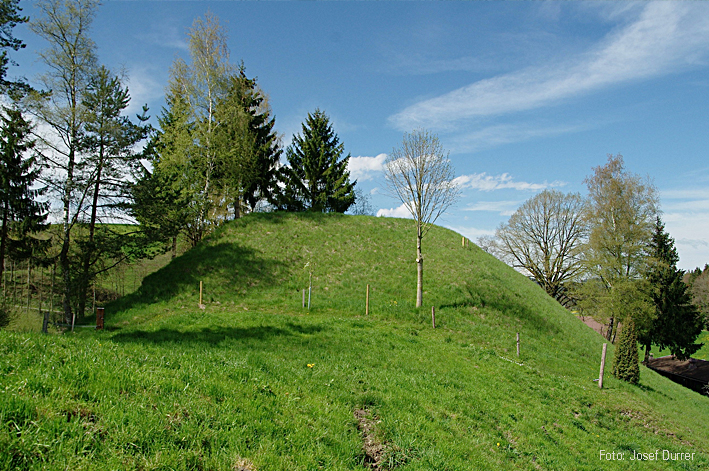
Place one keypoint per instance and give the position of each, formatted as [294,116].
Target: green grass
[172,386]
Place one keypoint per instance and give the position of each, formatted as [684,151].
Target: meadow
[255,381]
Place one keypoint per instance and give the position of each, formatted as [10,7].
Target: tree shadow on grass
[213,335]
[507,304]
[226,266]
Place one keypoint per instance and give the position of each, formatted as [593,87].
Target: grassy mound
[254,381]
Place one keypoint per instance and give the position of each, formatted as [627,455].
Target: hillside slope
[255,381]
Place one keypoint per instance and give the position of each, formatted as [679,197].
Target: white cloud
[686,219]
[365,168]
[166,33]
[485,182]
[145,86]
[472,233]
[666,37]
[400,212]
[496,135]
[505,208]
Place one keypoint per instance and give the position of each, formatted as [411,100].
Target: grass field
[254,381]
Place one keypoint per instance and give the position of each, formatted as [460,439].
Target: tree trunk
[237,208]
[3,241]
[90,249]
[419,270]
[646,360]
[609,334]
[174,247]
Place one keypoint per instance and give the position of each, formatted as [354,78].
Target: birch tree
[420,174]
[70,59]
[203,83]
[621,215]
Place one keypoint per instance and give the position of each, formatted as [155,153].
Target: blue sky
[524,95]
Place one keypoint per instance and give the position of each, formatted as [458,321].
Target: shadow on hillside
[213,335]
[508,305]
[228,266]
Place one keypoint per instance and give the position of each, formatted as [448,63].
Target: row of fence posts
[465,242]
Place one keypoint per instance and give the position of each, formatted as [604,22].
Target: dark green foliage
[698,282]
[250,144]
[678,322]
[625,363]
[317,178]
[165,199]
[9,18]
[20,213]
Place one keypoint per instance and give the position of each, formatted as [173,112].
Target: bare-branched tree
[544,237]
[420,174]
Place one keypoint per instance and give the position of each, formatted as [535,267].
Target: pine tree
[317,178]
[625,364]
[678,322]
[108,142]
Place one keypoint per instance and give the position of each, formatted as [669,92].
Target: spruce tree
[317,178]
[677,322]
[625,364]
[248,146]
[21,214]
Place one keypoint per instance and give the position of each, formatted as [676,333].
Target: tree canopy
[316,177]
[420,174]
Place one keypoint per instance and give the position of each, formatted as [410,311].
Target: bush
[625,364]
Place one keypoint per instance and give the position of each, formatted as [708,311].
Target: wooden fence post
[366,306]
[603,365]
[45,322]
[99,318]
[518,344]
[433,316]
[29,292]
[200,293]
[463,242]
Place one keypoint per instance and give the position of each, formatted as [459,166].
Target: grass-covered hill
[255,382]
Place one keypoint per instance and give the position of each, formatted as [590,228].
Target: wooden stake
[603,365]
[99,318]
[29,293]
[517,344]
[366,307]
[51,292]
[433,316]
[303,298]
[45,322]
[200,293]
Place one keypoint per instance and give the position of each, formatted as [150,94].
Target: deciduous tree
[420,174]
[71,60]
[544,237]
[621,214]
